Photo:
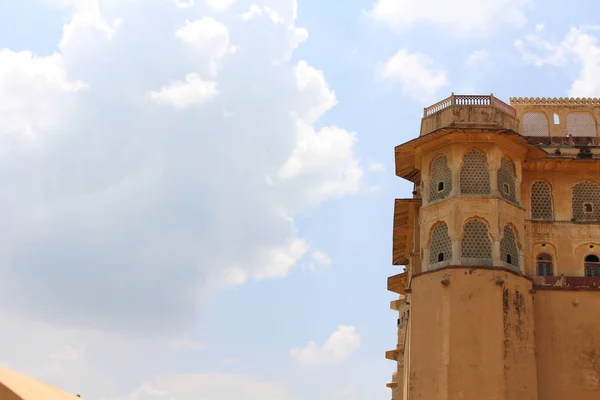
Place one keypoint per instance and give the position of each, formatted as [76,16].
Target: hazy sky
[197,195]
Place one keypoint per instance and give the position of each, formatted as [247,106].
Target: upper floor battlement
[551,121]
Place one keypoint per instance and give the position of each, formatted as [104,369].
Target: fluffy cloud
[477,58]
[124,213]
[416,73]
[321,258]
[207,386]
[183,94]
[462,18]
[337,348]
[579,48]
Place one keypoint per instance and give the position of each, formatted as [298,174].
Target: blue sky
[199,194]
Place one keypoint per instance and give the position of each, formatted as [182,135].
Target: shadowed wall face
[472,336]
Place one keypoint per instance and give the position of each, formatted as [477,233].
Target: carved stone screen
[506,180]
[474,174]
[508,247]
[586,201]
[534,124]
[440,183]
[441,246]
[581,124]
[541,201]
[476,242]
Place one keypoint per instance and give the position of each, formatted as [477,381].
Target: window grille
[474,174]
[581,124]
[440,184]
[476,242]
[592,266]
[506,180]
[508,247]
[586,201]
[440,248]
[534,124]
[544,265]
[541,201]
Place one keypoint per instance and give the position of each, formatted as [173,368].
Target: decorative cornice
[555,101]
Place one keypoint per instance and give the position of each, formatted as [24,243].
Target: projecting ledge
[392,355]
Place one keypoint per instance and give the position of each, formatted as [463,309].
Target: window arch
[506,180]
[476,243]
[544,265]
[440,248]
[474,173]
[586,201]
[440,181]
[534,124]
[541,201]
[592,266]
[508,247]
[581,124]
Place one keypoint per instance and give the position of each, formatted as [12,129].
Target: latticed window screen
[474,174]
[440,184]
[441,246]
[586,201]
[541,201]
[534,124]
[581,124]
[508,247]
[476,242]
[506,180]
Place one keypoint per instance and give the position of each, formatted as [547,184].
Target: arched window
[508,247]
[474,174]
[544,265]
[476,245]
[506,180]
[534,124]
[440,184]
[581,124]
[592,266]
[541,201]
[586,201]
[440,248]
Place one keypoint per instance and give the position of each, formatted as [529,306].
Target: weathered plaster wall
[473,338]
[567,339]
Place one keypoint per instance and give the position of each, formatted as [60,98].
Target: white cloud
[220,5]
[183,94]
[209,38]
[477,57]
[127,215]
[376,167]
[321,258]
[207,386]
[337,348]
[462,18]
[36,93]
[186,344]
[417,74]
[66,353]
[253,11]
[579,48]
[184,3]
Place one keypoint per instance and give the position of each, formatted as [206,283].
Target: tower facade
[500,298]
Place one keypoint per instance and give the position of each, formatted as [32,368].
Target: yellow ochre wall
[471,336]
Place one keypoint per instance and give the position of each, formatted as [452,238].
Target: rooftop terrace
[549,121]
